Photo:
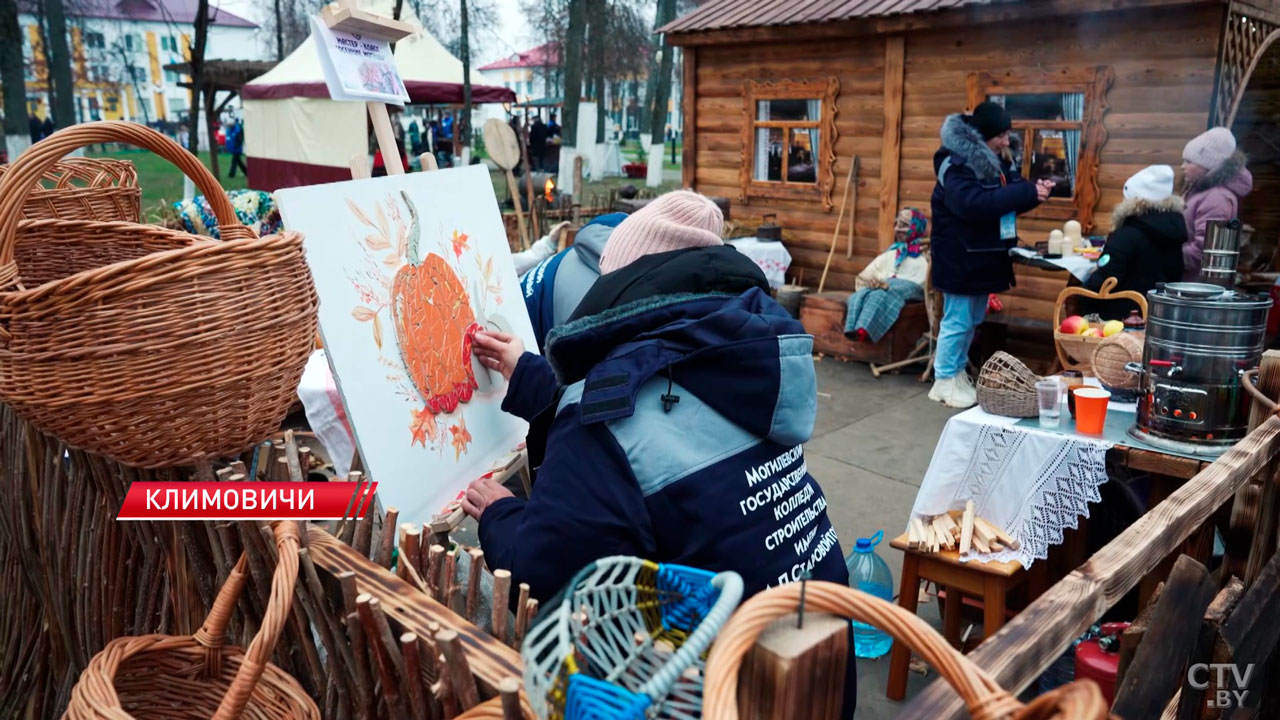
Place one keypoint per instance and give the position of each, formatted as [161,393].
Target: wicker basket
[85,189]
[1110,357]
[596,654]
[1081,700]
[1007,387]
[150,346]
[1075,352]
[161,676]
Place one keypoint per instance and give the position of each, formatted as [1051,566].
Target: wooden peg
[458,668]
[966,527]
[509,690]
[413,672]
[387,672]
[501,603]
[522,616]
[435,564]
[473,583]
[388,539]
[449,583]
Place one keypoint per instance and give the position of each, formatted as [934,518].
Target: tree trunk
[279,31]
[573,74]
[597,36]
[58,57]
[465,43]
[662,88]
[650,84]
[11,73]
[199,43]
[210,121]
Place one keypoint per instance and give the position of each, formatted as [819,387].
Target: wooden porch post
[690,113]
[891,149]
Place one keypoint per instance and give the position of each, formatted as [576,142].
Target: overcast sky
[512,36]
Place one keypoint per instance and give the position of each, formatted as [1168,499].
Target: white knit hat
[1154,183]
[676,221]
[1211,148]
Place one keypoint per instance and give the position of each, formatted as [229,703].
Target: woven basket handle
[730,586]
[984,698]
[213,633]
[21,178]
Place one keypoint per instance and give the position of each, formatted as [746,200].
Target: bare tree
[455,23]
[198,44]
[287,26]
[126,74]
[573,42]
[11,76]
[52,17]
[662,88]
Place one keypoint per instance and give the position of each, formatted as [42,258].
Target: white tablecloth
[1032,483]
[1078,265]
[770,255]
[325,412]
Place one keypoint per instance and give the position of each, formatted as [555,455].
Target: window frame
[825,90]
[1094,83]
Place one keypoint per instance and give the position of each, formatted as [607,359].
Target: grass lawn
[160,181]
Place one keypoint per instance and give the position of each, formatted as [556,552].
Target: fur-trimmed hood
[1139,207]
[964,141]
[1232,176]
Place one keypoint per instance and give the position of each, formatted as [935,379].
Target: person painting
[1146,245]
[975,203]
[1214,178]
[683,395]
[893,279]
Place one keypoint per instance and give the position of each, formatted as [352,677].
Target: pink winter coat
[1217,197]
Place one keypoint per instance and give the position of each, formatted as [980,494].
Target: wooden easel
[347,17]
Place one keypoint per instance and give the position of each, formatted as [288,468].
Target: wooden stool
[990,581]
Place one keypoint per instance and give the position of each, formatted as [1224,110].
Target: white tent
[296,135]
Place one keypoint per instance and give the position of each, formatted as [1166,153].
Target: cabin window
[1058,131]
[1048,127]
[789,139]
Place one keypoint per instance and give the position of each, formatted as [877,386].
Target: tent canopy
[430,73]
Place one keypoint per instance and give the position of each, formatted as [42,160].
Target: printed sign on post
[358,67]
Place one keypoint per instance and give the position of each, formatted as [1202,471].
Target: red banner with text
[247,500]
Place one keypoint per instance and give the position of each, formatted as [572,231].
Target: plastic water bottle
[869,573]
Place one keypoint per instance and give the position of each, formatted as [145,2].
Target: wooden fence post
[1250,541]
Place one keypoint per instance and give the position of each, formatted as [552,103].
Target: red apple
[1091,332]
[1073,325]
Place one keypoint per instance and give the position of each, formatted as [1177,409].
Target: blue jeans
[961,315]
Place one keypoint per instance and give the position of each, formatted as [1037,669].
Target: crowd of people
[1157,234]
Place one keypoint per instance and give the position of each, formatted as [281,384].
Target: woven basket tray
[85,189]
[1006,386]
[150,346]
[1075,352]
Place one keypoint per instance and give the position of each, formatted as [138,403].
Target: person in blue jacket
[553,288]
[975,203]
[683,395]
[235,147]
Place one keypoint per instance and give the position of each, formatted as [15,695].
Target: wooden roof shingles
[725,14]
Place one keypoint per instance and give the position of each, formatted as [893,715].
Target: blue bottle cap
[866,545]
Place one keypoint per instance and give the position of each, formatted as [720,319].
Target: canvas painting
[408,268]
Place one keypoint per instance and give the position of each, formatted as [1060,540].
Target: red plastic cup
[1091,409]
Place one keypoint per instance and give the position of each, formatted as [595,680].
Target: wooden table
[991,581]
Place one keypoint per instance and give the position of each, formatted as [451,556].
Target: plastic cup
[1091,410]
[1071,397]
[1049,401]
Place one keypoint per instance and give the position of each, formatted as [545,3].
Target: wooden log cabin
[780,97]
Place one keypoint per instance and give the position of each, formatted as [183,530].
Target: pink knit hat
[676,221]
[1211,148]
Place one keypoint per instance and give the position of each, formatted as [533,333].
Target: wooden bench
[823,316]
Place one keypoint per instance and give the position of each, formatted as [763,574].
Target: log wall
[1257,128]
[1164,62]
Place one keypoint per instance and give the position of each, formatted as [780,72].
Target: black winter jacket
[1145,248]
[969,258]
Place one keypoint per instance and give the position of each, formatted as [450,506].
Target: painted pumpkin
[435,325]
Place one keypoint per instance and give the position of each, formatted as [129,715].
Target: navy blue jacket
[969,258]
[553,287]
[714,477]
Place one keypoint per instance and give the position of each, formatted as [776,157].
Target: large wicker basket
[161,676]
[1081,700]
[85,189]
[1075,352]
[149,346]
